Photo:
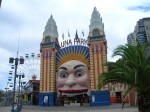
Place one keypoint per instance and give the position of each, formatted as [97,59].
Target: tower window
[99,49]
[94,48]
[47,39]
[95,32]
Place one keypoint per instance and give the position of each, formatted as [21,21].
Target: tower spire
[51,16]
[76,36]
[51,28]
[96,21]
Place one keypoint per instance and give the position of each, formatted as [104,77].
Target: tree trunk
[143,102]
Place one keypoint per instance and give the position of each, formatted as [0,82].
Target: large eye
[63,75]
[79,74]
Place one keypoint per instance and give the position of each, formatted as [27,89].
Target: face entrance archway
[73,82]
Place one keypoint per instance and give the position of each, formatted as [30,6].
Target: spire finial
[51,16]
[76,35]
[95,8]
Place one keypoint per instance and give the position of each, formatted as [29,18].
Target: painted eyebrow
[78,66]
[64,68]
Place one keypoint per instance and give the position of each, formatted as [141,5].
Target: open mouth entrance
[74,100]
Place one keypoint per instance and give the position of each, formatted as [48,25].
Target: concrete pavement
[5,109]
[77,108]
[73,108]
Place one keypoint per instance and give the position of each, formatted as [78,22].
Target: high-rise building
[147,28]
[132,39]
[141,32]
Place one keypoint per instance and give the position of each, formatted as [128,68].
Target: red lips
[73,91]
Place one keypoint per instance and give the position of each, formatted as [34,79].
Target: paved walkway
[77,108]
[74,108]
[5,109]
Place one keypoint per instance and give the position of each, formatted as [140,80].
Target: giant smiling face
[73,78]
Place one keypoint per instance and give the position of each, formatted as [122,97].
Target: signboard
[69,42]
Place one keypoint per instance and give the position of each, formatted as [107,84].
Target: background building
[141,32]
[31,91]
[131,39]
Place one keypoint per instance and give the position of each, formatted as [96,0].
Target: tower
[142,31]
[98,48]
[48,49]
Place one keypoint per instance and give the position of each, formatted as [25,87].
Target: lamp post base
[12,110]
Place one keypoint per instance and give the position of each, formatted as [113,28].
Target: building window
[47,39]
[141,29]
[35,86]
[99,49]
[147,28]
[94,48]
[141,23]
[95,32]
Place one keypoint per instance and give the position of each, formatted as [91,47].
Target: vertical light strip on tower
[95,67]
[52,72]
[44,70]
[48,72]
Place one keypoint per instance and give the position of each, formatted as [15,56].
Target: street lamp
[0,3]
[21,94]
[16,60]
[19,105]
[6,96]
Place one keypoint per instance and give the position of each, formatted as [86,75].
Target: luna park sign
[78,41]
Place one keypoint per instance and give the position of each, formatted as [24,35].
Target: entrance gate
[80,100]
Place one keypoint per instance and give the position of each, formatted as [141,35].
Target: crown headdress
[77,52]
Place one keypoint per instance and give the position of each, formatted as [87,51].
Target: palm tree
[133,69]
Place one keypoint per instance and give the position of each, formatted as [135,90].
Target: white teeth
[73,94]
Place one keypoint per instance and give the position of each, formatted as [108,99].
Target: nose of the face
[70,80]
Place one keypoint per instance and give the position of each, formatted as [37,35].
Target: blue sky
[27,18]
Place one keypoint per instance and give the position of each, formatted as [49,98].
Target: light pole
[19,103]
[21,93]
[6,96]
[16,60]
[0,3]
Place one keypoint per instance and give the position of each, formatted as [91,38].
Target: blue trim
[47,44]
[94,37]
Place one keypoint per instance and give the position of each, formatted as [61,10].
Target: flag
[83,33]
[68,34]
[76,36]
[63,36]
